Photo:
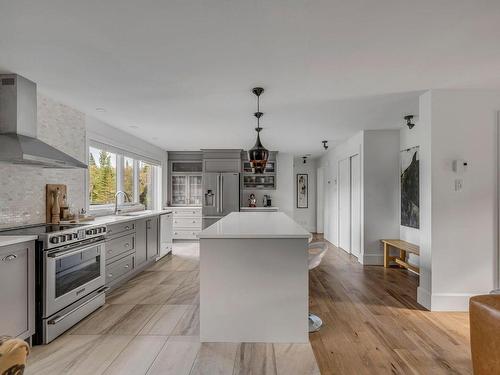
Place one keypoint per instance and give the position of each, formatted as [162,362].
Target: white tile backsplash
[22,188]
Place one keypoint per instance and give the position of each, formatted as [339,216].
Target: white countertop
[255,225]
[11,240]
[111,219]
[270,208]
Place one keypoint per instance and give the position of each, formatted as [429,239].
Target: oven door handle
[64,253]
[58,319]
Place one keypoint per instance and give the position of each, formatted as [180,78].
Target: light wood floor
[151,325]
[373,324]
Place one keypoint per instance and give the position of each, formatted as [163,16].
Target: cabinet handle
[127,244]
[127,266]
[127,227]
[194,221]
[9,257]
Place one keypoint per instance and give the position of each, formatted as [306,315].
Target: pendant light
[258,154]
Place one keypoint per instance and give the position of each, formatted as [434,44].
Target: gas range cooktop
[55,235]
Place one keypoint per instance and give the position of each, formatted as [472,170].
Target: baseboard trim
[451,301]
[373,260]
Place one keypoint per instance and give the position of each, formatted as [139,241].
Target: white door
[320,204]
[344,183]
[355,205]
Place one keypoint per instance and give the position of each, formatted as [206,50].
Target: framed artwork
[302,191]
[410,194]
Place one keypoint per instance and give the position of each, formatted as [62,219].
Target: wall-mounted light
[408,119]
[325,144]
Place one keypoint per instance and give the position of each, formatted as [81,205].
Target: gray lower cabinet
[152,237]
[130,247]
[17,291]
[141,241]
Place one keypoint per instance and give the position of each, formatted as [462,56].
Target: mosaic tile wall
[22,188]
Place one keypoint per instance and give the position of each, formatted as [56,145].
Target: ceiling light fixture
[100,109]
[408,121]
[258,154]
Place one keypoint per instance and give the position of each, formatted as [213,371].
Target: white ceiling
[181,71]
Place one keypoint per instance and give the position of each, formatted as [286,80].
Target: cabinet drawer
[120,245]
[186,212]
[119,268]
[186,234]
[117,228]
[187,222]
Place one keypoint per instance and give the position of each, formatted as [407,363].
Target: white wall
[464,125]
[380,191]
[305,216]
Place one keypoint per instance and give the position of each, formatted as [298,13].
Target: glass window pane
[145,184]
[128,177]
[102,176]
[179,190]
[195,190]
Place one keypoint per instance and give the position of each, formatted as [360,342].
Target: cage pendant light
[258,154]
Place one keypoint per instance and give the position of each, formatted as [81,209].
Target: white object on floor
[254,279]
[317,251]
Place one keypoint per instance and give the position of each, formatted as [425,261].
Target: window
[102,176]
[128,177]
[110,172]
[145,184]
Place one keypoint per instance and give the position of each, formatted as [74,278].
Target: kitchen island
[254,279]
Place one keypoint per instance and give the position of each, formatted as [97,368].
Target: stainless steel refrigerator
[221,196]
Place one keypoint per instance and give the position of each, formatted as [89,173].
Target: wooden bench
[403,247]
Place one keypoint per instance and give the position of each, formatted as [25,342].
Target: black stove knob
[54,240]
[75,236]
[88,231]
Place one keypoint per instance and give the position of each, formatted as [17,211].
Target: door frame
[348,158]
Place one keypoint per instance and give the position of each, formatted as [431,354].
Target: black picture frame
[302,187]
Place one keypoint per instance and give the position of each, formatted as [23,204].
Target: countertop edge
[12,240]
[256,236]
[111,219]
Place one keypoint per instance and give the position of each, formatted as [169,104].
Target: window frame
[156,173]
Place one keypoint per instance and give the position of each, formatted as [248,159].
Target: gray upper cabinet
[152,237]
[221,165]
[141,242]
[221,160]
[17,291]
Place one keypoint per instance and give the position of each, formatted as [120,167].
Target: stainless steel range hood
[18,127]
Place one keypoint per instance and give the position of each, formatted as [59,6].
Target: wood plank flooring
[150,325]
[374,325]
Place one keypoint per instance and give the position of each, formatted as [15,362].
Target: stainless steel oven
[71,273]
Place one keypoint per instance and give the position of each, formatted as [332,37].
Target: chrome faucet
[116,199]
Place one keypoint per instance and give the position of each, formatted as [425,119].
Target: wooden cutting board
[49,189]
